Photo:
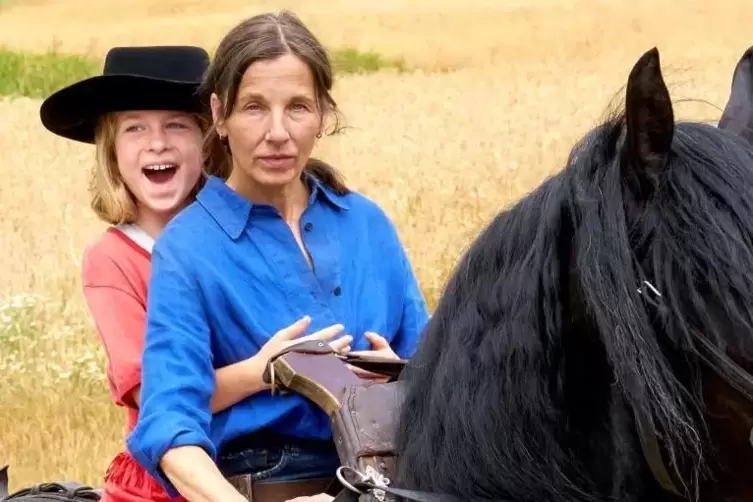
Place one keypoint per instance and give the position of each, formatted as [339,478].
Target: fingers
[294,330]
[377,342]
[341,343]
[325,334]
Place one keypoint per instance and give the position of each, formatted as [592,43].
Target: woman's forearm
[196,477]
[233,384]
[236,382]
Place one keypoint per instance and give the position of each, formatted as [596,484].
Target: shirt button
[337,291]
[308,226]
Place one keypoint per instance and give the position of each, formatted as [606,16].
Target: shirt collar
[231,211]
[317,188]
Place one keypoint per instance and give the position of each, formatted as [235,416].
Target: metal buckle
[371,476]
[346,484]
[653,300]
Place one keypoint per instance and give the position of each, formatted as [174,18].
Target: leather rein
[727,369]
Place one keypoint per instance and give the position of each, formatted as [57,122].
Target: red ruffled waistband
[127,481]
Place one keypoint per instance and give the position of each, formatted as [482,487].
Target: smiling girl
[144,117]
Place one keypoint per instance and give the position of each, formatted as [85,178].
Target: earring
[319,134]
[224,142]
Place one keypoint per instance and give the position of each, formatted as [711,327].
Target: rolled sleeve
[119,320]
[177,375]
[415,314]
[119,315]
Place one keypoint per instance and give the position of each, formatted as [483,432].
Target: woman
[282,236]
[143,116]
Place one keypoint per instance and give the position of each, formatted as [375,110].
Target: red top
[115,277]
[116,272]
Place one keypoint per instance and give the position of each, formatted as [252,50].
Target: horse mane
[493,393]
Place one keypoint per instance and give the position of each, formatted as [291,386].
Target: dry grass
[441,152]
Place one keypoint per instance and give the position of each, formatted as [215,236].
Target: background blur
[456,109]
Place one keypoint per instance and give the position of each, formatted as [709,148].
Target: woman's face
[159,157]
[273,127]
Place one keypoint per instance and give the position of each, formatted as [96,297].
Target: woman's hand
[380,347]
[290,336]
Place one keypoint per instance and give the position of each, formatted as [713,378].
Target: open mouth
[160,173]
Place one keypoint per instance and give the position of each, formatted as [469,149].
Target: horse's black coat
[528,373]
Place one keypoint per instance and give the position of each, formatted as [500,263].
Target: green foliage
[42,339]
[39,75]
[353,61]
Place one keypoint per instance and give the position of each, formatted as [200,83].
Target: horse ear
[738,114]
[649,117]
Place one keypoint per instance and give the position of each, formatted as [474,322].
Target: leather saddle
[362,412]
[63,491]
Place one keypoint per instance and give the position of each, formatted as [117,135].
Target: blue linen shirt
[227,275]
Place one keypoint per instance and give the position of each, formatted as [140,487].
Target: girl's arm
[120,319]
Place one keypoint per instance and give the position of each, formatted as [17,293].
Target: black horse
[579,351]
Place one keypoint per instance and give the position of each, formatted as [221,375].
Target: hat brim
[73,112]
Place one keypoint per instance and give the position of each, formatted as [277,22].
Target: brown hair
[263,37]
[111,199]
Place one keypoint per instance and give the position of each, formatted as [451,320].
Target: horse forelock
[701,245]
[692,239]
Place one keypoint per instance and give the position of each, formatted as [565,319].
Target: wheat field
[501,90]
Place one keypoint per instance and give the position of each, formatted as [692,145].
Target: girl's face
[159,156]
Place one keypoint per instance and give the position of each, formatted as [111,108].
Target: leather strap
[377,486]
[388,367]
[353,489]
[652,454]
[318,373]
[414,495]
[727,369]
[278,491]
[383,366]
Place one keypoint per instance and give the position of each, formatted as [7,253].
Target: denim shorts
[290,460]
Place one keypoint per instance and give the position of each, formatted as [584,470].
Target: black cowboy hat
[134,78]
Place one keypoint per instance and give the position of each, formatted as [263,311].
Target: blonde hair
[111,199]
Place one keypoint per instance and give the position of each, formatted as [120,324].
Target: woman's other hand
[380,347]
